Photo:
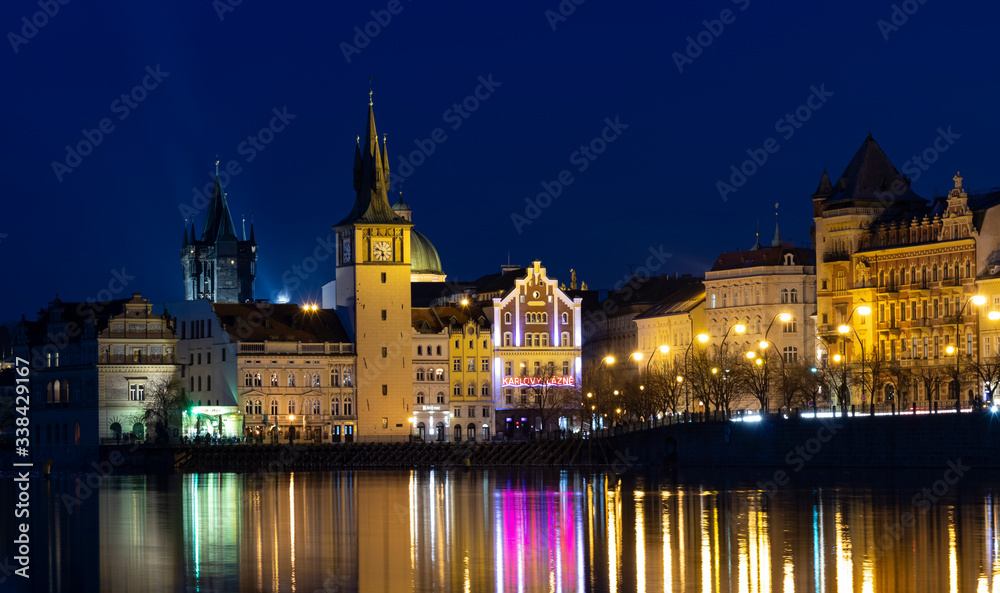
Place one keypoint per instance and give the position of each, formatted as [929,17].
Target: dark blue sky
[654,187]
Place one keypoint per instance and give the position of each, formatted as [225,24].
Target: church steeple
[218,222]
[825,187]
[371,181]
[776,241]
[185,243]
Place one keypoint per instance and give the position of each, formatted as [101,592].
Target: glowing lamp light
[465,302]
[760,362]
[979,300]
[740,328]
[609,360]
[291,417]
[664,349]
[637,355]
[864,310]
[785,317]
[993,315]
[950,350]
[589,394]
[837,357]
[751,354]
[715,371]
[702,338]
[763,345]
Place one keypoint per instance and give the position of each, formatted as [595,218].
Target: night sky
[216,74]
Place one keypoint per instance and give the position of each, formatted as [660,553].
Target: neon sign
[563,381]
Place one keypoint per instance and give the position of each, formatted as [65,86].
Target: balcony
[294,348]
[136,359]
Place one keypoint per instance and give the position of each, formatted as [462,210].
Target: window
[134,352]
[383,314]
[137,392]
[249,407]
[968,269]
[457,413]
[456,364]
[208,358]
[335,378]
[208,381]
[470,365]
[484,365]
[420,350]
[347,380]
[784,295]
[385,352]
[385,390]
[438,351]
[564,340]
[565,318]
[274,379]
[825,319]
[315,406]
[420,374]
[565,368]
[439,375]
[506,339]
[794,295]
[471,390]
[789,327]
[274,407]
[335,406]
[913,348]
[291,406]
[199,383]
[223,355]
[420,397]
[713,300]
[545,338]
[486,412]
[383,277]
[457,390]
[507,368]
[790,355]
[506,318]
[316,380]
[968,344]
[925,346]
[248,380]
[348,408]
[440,397]
[485,391]
[257,407]
[291,379]
[472,411]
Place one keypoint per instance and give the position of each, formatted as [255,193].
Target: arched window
[880,278]
[457,390]
[485,391]
[248,380]
[565,318]
[545,338]
[439,430]
[794,295]
[784,295]
[199,383]
[291,406]
[420,397]
[208,380]
[956,272]
[335,378]
[506,317]
[249,407]
[439,375]
[348,407]
[420,350]
[315,379]
[274,379]
[923,276]
[564,339]
[257,380]
[348,382]
[471,390]
[507,339]
[274,407]
[458,433]
[420,374]
[934,273]
[257,407]
[968,269]
[913,274]
[545,317]
[527,317]
[291,379]
[335,406]
[316,406]
[470,433]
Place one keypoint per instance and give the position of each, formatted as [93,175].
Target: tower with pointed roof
[373,288]
[219,266]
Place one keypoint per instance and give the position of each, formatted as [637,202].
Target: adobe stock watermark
[922,501]
[713,29]
[30,26]
[786,125]
[624,290]
[582,157]
[564,10]
[917,164]
[364,35]
[123,106]
[455,116]
[798,456]
[899,15]
[250,149]
[223,6]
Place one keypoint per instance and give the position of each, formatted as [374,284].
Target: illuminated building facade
[672,322]
[94,368]
[431,372]
[916,264]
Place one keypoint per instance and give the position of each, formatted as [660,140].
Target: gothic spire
[185,243]
[218,222]
[756,243]
[825,186]
[371,181]
[776,241]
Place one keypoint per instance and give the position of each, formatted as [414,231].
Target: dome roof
[423,257]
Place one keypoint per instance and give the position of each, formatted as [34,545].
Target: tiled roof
[249,322]
[681,301]
[766,256]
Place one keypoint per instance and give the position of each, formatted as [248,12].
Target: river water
[490,530]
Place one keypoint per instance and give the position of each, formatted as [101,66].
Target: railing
[162,334]
[294,348]
[135,359]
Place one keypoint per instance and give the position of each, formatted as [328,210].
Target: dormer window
[789,259]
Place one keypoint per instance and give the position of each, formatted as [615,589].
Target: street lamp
[844,329]
[662,349]
[702,339]
[978,300]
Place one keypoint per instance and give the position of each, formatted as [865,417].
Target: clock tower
[373,285]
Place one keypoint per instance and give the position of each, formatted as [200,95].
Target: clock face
[347,249]
[382,251]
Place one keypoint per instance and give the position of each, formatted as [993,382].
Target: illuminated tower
[373,285]
[219,267]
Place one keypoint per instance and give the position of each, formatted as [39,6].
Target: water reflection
[505,531]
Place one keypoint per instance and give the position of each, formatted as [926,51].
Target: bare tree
[596,391]
[718,377]
[869,373]
[663,391]
[797,385]
[165,401]
[986,371]
[931,378]
[545,398]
